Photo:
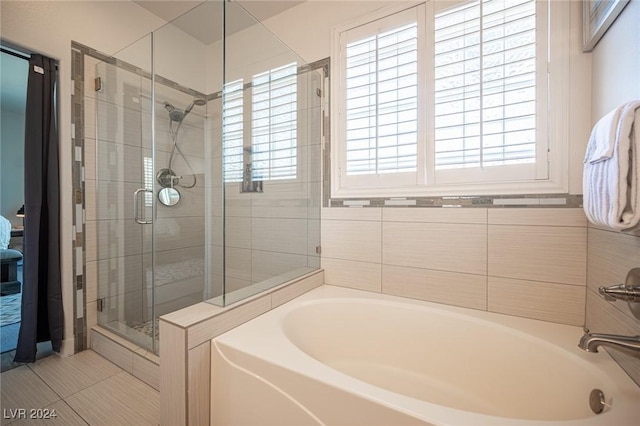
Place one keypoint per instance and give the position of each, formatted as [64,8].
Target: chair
[9,259]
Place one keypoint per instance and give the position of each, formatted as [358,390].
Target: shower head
[196,101]
[174,113]
[178,115]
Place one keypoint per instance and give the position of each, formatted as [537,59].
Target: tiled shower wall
[528,262]
[267,233]
[118,250]
[275,231]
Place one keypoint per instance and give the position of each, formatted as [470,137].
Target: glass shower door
[124,194]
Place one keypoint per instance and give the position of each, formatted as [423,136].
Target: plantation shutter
[274,124]
[486,85]
[232,131]
[380,110]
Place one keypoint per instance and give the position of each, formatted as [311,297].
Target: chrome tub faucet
[628,292]
[590,342]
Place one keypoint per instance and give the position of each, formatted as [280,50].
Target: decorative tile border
[485,201]
[78,210]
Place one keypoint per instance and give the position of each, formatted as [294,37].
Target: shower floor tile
[147,328]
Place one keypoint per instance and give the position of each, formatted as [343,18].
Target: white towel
[611,184]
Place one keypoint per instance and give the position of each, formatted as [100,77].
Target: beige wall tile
[279,235]
[199,376]
[353,274]
[147,371]
[610,256]
[119,124]
[539,300]
[112,238]
[296,289]
[237,263]
[281,200]
[176,233]
[109,349]
[90,117]
[447,247]
[606,317]
[451,288]
[351,240]
[119,275]
[540,217]
[90,200]
[351,213]
[173,374]
[237,232]
[91,280]
[92,318]
[435,215]
[90,171]
[266,264]
[215,326]
[540,253]
[91,240]
[117,162]
[178,289]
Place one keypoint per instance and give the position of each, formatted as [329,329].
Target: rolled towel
[611,184]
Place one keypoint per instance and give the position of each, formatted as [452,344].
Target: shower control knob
[622,292]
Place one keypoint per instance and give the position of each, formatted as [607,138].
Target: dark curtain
[42,316]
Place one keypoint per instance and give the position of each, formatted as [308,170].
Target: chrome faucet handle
[627,293]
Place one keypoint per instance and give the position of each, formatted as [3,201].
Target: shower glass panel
[186,65]
[271,159]
[208,168]
[123,157]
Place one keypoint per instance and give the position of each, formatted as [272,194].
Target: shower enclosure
[208,168]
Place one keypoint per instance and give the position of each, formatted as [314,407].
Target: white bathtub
[337,356]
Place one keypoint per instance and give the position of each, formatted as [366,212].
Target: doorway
[13,127]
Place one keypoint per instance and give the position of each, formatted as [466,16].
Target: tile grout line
[78,414]
[44,381]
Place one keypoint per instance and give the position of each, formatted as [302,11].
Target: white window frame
[550,176]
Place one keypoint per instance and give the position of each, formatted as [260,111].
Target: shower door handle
[136,203]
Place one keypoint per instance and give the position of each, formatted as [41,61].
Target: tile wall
[523,262]
[118,250]
[269,233]
[610,256]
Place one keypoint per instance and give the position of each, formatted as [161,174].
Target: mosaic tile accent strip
[77,139]
[485,201]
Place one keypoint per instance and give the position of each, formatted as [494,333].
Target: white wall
[616,63]
[48,28]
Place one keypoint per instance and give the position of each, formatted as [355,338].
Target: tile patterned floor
[84,389]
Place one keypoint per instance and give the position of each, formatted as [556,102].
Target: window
[382,102]
[447,98]
[232,131]
[270,124]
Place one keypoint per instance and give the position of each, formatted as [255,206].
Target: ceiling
[13,83]
[205,22]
